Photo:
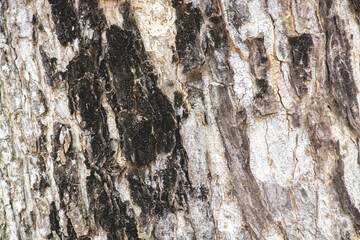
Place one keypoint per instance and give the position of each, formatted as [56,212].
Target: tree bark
[179,119]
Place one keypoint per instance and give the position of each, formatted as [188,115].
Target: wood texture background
[160,119]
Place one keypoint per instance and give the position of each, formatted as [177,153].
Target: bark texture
[179,119]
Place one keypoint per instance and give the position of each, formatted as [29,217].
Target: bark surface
[179,119]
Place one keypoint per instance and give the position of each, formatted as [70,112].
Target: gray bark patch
[233,128]
[344,196]
[237,13]
[265,100]
[341,81]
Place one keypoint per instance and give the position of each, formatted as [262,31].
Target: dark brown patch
[217,50]
[84,76]
[66,21]
[265,100]
[300,46]
[50,68]
[65,168]
[146,120]
[188,47]
[54,219]
[114,215]
[71,234]
[356,4]
[145,116]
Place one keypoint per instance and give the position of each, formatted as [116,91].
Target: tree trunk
[160,119]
